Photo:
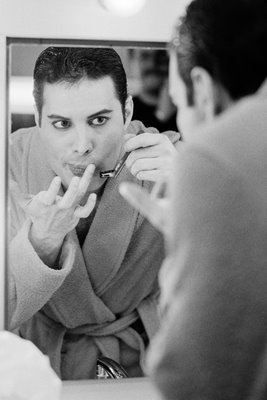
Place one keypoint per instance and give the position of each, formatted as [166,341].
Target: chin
[96,183]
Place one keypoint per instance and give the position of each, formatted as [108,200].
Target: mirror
[3,183]
[98,296]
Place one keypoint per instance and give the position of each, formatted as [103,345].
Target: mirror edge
[3,179]
[5,44]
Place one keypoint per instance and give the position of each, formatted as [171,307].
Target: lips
[77,170]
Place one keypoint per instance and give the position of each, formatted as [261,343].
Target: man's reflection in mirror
[152,103]
[83,264]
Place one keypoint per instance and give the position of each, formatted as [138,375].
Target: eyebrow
[104,111]
[55,116]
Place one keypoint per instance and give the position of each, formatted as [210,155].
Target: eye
[98,121]
[62,124]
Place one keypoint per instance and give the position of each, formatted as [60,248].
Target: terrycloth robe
[86,307]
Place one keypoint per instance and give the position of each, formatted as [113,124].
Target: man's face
[82,123]
[188,117]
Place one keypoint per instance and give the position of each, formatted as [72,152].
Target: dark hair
[226,37]
[71,64]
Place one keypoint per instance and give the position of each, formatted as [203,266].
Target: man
[83,264]
[213,338]
[152,104]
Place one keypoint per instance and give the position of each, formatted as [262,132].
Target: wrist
[48,248]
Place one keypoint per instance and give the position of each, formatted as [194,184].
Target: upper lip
[82,166]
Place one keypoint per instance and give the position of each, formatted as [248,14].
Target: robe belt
[101,330]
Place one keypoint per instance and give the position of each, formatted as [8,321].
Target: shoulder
[21,137]
[137,126]
[23,133]
[19,148]
[237,131]
[19,141]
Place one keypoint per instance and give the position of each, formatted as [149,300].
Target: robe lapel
[76,301]
[110,234]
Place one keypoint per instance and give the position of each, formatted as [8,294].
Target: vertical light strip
[3,158]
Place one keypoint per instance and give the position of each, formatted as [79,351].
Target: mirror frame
[5,128]
[3,178]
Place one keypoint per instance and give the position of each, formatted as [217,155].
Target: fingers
[50,195]
[69,197]
[144,164]
[86,179]
[155,210]
[144,140]
[77,188]
[161,149]
[147,152]
[141,200]
[151,162]
[128,136]
[85,211]
[150,175]
[135,196]
[151,169]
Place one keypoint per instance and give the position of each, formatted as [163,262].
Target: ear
[128,111]
[36,116]
[204,92]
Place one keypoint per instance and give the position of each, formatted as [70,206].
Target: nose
[83,141]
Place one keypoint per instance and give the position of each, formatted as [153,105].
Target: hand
[154,206]
[151,156]
[54,216]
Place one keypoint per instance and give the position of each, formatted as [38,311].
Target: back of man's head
[229,39]
[71,64]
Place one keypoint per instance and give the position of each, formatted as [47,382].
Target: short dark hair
[71,64]
[226,37]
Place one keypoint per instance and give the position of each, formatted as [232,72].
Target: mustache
[99,164]
[82,161]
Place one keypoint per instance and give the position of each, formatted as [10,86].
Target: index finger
[50,195]
[86,178]
[143,140]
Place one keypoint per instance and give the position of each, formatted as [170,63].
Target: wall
[85,19]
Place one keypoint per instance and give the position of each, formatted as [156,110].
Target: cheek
[55,149]
[111,146]
[113,135]
[188,121]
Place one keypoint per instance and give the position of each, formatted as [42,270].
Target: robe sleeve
[31,282]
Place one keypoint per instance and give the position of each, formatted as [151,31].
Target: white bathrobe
[86,307]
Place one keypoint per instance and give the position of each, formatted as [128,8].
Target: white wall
[86,19]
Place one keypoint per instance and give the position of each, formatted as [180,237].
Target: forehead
[89,93]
